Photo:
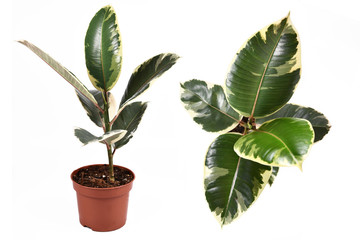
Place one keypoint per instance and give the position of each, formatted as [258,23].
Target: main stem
[107,129]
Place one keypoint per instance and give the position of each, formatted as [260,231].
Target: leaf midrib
[265,69]
[101,52]
[229,116]
[231,191]
[282,142]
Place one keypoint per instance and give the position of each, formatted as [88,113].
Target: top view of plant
[103,56]
[260,131]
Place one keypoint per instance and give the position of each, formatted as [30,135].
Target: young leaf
[232,183]
[208,106]
[110,137]
[66,74]
[129,119]
[103,49]
[279,142]
[318,120]
[265,71]
[143,75]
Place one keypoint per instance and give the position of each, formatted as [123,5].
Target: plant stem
[107,129]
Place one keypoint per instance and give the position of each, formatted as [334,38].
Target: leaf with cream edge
[145,73]
[111,137]
[265,71]
[128,120]
[93,113]
[232,184]
[278,142]
[66,74]
[318,120]
[103,49]
[208,106]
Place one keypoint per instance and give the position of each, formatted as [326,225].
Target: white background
[168,149]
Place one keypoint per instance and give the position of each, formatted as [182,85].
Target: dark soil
[98,177]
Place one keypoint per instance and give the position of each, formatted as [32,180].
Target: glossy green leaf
[318,120]
[232,183]
[274,173]
[265,71]
[145,73]
[208,106]
[65,73]
[110,137]
[94,114]
[278,142]
[103,49]
[128,120]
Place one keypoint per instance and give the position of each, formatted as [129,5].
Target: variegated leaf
[65,73]
[110,137]
[232,183]
[318,120]
[145,73]
[208,106]
[274,173]
[278,142]
[129,119]
[103,49]
[265,71]
[94,114]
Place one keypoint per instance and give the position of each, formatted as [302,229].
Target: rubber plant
[260,131]
[103,55]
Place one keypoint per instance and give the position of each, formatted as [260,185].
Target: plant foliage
[259,132]
[103,57]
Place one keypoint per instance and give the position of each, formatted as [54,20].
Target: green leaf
[66,74]
[274,173]
[103,49]
[232,183]
[110,137]
[279,142]
[265,71]
[94,114]
[143,75]
[318,120]
[129,120]
[208,106]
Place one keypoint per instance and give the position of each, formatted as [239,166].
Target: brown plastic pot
[102,209]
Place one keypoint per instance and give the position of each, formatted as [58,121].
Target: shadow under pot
[102,208]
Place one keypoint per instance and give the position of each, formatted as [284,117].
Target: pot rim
[101,189]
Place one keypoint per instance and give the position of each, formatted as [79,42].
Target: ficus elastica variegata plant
[103,57]
[260,132]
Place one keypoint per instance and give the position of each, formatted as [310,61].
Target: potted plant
[103,190]
[260,132]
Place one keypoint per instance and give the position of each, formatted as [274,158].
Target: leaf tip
[300,167]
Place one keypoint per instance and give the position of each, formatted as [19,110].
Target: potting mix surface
[97,176]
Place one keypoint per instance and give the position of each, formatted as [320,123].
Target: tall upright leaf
[278,142]
[65,73]
[208,106]
[232,183]
[103,49]
[143,75]
[318,120]
[265,71]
